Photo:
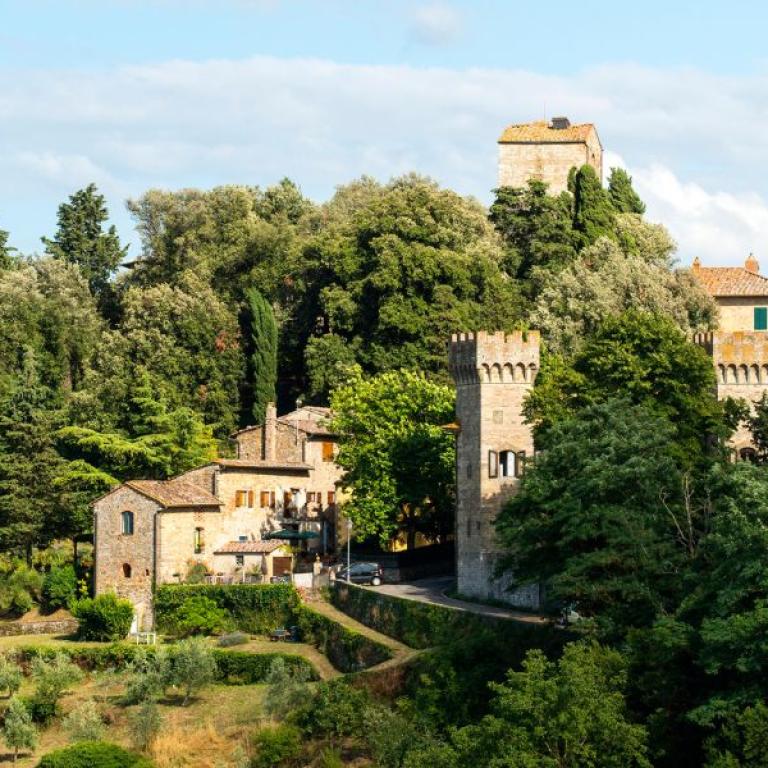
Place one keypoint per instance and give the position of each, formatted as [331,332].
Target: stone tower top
[547,152]
[494,357]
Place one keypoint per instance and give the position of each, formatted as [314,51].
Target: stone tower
[493,374]
[547,152]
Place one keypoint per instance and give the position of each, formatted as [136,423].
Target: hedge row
[254,608]
[347,650]
[424,625]
[234,667]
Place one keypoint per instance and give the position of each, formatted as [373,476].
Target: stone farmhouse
[494,372]
[238,518]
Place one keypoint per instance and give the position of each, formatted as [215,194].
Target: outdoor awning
[294,535]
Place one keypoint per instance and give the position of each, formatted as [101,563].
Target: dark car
[361,573]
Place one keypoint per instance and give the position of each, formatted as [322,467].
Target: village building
[236,519]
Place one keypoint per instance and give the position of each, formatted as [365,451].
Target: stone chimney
[269,434]
[751,264]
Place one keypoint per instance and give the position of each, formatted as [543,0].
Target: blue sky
[133,94]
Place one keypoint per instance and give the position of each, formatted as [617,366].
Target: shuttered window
[250,498]
[240,498]
[264,499]
[327,450]
[761,318]
[331,497]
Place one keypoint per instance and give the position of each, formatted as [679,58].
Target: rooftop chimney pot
[752,264]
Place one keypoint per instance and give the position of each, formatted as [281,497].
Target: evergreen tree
[622,193]
[80,239]
[593,211]
[263,358]
[6,252]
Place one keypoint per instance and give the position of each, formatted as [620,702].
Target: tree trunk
[411,536]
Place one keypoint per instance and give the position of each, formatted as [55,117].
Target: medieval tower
[493,374]
[547,152]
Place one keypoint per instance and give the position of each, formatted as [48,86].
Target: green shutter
[761,318]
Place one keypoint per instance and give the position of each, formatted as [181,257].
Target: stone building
[547,152]
[493,374]
[222,516]
[739,347]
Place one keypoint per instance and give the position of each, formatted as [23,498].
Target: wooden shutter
[264,499]
[327,450]
[519,463]
[331,497]
[493,464]
[761,318]
[240,498]
[250,498]
[272,499]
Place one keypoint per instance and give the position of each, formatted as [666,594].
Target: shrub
[197,572]
[253,608]
[347,650]
[103,618]
[18,730]
[276,746]
[242,668]
[19,589]
[192,666]
[89,754]
[84,723]
[198,615]
[233,638]
[53,677]
[59,587]
[145,724]
[287,688]
[10,676]
[336,710]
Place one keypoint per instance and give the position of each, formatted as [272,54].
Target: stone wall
[493,375]
[42,627]
[546,162]
[737,313]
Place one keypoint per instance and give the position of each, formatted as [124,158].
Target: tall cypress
[593,211]
[6,252]
[263,358]
[622,193]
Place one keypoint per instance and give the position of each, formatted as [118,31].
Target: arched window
[127,519]
[748,454]
[127,570]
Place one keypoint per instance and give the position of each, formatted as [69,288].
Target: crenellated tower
[493,373]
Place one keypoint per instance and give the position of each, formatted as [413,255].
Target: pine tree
[593,211]
[263,358]
[19,731]
[6,252]
[80,239]
[622,193]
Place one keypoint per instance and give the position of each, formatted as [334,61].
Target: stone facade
[493,374]
[539,151]
[221,515]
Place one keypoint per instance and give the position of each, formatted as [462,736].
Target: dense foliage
[91,753]
[105,617]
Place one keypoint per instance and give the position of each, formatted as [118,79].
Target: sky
[137,94]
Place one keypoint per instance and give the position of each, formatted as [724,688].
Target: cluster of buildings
[245,518]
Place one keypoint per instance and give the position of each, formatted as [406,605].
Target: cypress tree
[622,193]
[263,358]
[593,211]
[6,252]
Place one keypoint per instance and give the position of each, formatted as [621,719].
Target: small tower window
[761,318]
[127,570]
[507,464]
[199,541]
[127,523]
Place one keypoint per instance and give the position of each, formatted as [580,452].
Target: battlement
[494,357]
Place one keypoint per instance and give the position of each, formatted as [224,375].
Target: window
[311,497]
[520,464]
[127,523]
[327,450]
[761,318]
[126,570]
[250,498]
[748,454]
[239,560]
[199,544]
[507,464]
[241,497]
[264,499]
[493,464]
[331,497]
[242,538]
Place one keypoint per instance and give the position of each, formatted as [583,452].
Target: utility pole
[349,556]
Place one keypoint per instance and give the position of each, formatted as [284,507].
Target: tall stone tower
[547,152]
[493,374]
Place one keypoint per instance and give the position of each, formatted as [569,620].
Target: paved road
[432,591]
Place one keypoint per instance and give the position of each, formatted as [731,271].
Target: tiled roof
[731,281]
[174,493]
[259,464]
[306,425]
[541,132]
[248,547]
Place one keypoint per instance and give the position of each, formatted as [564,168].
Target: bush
[145,724]
[336,710]
[242,668]
[84,723]
[197,573]
[276,746]
[347,650]
[53,677]
[287,689]
[59,587]
[198,615]
[253,608]
[103,618]
[19,589]
[192,667]
[89,754]
[233,638]
[10,676]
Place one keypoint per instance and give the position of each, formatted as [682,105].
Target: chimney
[751,264]
[269,434]
[560,123]
[696,265]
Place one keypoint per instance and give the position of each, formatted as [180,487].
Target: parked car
[361,573]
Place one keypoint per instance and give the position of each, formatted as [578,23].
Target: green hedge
[254,608]
[424,625]
[347,650]
[234,667]
[89,754]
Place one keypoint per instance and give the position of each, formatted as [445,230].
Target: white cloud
[694,142]
[436,23]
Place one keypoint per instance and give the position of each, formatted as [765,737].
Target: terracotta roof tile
[259,464]
[731,281]
[174,493]
[248,547]
[541,132]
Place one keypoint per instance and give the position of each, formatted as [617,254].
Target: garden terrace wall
[42,627]
[424,625]
[347,650]
[254,608]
